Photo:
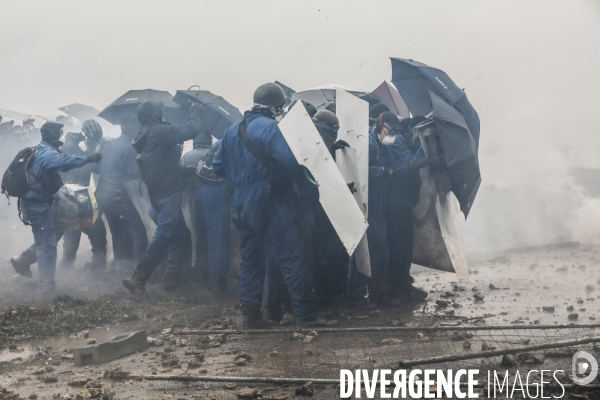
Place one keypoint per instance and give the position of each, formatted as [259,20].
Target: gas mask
[389,139]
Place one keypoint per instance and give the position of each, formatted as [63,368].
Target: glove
[418,164]
[340,144]
[94,158]
[195,107]
[387,171]
[352,187]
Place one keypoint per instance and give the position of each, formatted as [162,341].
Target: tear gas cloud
[529,68]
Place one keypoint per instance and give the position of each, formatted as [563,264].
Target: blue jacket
[118,159]
[379,159]
[47,163]
[404,184]
[249,176]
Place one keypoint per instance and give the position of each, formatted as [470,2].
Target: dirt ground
[513,290]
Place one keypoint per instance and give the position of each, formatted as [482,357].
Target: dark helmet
[390,119]
[92,130]
[327,117]
[377,109]
[269,95]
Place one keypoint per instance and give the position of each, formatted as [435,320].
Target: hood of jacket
[149,113]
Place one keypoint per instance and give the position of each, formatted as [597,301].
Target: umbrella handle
[198,86]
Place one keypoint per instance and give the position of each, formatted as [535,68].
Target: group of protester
[291,259]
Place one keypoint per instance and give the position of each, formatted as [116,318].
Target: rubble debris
[116,374]
[116,346]
[244,356]
[442,303]
[507,361]
[479,296]
[305,390]
[573,316]
[309,339]
[91,341]
[570,308]
[548,309]
[240,362]
[529,358]
[50,379]
[288,319]
[297,336]
[78,381]
[308,353]
[466,345]
[196,361]
[229,386]
[274,354]
[247,393]
[391,341]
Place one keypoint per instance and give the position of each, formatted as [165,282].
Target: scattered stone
[94,385]
[529,358]
[79,381]
[297,336]
[492,287]
[50,379]
[507,361]
[159,343]
[305,390]
[243,356]
[442,303]
[309,339]
[83,334]
[195,362]
[241,362]
[391,341]
[288,319]
[548,309]
[91,341]
[573,316]
[589,288]
[570,308]
[420,336]
[466,345]
[229,386]
[479,296]
[247,393]
[116,374]
[274,354]
[313,334]
[168,331]
[485,346]
[308,353]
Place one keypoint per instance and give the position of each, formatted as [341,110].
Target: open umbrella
[217,114]
[288,93]
[322,96]
[459,150]
[80,111]
[389,96]
[128,103]
[414,80]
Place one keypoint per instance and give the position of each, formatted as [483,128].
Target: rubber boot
[22,263]
[252,318]
[135,285]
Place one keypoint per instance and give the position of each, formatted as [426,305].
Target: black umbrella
[217,114]
[414,79]
[128,103]
[460,151]
[288,93]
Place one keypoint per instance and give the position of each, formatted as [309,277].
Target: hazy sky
[530,68]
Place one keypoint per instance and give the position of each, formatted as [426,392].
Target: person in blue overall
[158,145]
[214,196]
[255,157]
[403,195]
[381,166]
[44,181]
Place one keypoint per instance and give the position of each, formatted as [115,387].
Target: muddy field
[517,291]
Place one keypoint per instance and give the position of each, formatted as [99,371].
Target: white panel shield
[337,201]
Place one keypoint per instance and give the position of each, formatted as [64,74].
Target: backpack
[14,180]
[205,171]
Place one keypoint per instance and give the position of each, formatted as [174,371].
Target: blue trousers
[379,283]
[169,239]
[47,231]
[271,232]
[213,213]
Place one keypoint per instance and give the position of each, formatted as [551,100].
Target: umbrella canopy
[288,93]
[389,96]
[460,151]
[322,96]
[217,114]
[414,80]
[128,103]
[80,111]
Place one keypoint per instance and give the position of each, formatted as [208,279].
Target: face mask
[389,139]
